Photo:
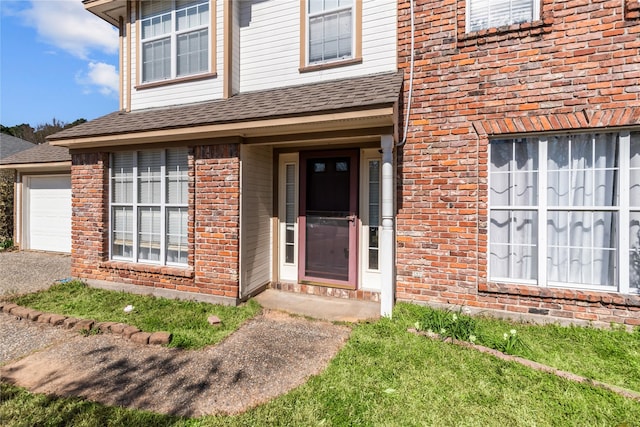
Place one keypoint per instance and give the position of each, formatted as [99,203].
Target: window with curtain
[149,206]
[483,14]
[560,208]
[330,30]
[175,38]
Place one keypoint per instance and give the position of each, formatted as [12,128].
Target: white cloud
[100,76]
[66,25]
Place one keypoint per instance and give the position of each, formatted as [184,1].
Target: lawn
[186,320]
[386,376]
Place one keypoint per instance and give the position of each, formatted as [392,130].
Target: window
[175,38]
[560,209]
[290,213]
[483,14]
[149,206]
[374,213]
[330,30]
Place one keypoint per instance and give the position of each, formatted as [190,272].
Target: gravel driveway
[268,356]
[22,272]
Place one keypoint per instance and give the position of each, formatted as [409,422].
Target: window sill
[148,268]
[176,81]
[497,34]
[329,65]
[598,297]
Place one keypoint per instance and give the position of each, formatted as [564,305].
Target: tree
[39,134]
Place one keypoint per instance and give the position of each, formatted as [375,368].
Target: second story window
[330,26]
[483,14]
[175,38]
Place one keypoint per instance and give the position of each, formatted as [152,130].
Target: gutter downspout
[387,252]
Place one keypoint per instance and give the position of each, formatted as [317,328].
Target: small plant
[511,343]
[6,244]
[449,324]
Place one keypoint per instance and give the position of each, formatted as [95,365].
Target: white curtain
[582,172]
[634,215]
[514,184]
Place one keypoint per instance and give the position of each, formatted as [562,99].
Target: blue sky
[56,60]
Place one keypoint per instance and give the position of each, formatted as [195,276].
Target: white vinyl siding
[174,38]
[564,209]
[276,23]
[148,194]
[483,14]
[255,217]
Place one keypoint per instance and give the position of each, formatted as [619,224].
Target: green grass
[386,376]
[186,320]
[611,356]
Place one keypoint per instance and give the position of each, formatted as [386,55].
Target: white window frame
[173,38]
[623,210]
[287,271]
[339,9]
[535,17]
[370,279]
[135,205]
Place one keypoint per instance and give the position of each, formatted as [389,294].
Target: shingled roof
[42,153]
[358,93]
[9,145]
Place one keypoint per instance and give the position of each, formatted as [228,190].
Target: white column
[387,247]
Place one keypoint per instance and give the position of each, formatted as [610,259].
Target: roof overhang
[335,121]
[108,10]
[39,167]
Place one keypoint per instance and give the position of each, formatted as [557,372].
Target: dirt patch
[268,356]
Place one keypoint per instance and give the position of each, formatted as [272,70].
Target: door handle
[351,218]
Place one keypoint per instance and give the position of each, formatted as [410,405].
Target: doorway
[329,218]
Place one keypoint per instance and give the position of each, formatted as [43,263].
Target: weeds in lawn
[511,343]
[463,327]
[449,324]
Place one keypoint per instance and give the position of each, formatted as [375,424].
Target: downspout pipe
[387,245]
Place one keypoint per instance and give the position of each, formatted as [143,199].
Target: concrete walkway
[318,307]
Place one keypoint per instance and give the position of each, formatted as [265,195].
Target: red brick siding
[89,201]
[217,220]
[212,260]
[578,67]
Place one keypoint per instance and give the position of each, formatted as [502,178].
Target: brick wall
[576,68]
[217,220]
[212,226]
[89,201]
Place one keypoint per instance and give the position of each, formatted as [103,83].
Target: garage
[48,213]
[42,198]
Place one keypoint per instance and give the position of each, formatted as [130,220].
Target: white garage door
[49,213]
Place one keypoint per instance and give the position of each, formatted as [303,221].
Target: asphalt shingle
[10,145]
[42,153]
[345,94]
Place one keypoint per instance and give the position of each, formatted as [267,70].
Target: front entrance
[329,218]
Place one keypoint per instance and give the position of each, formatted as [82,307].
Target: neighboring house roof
[10,145]
[359,93]
[42,153]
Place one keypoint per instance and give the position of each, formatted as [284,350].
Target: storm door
[328,217]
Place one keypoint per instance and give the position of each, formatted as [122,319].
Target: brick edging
[629,394]
[126,331]
[595,297]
